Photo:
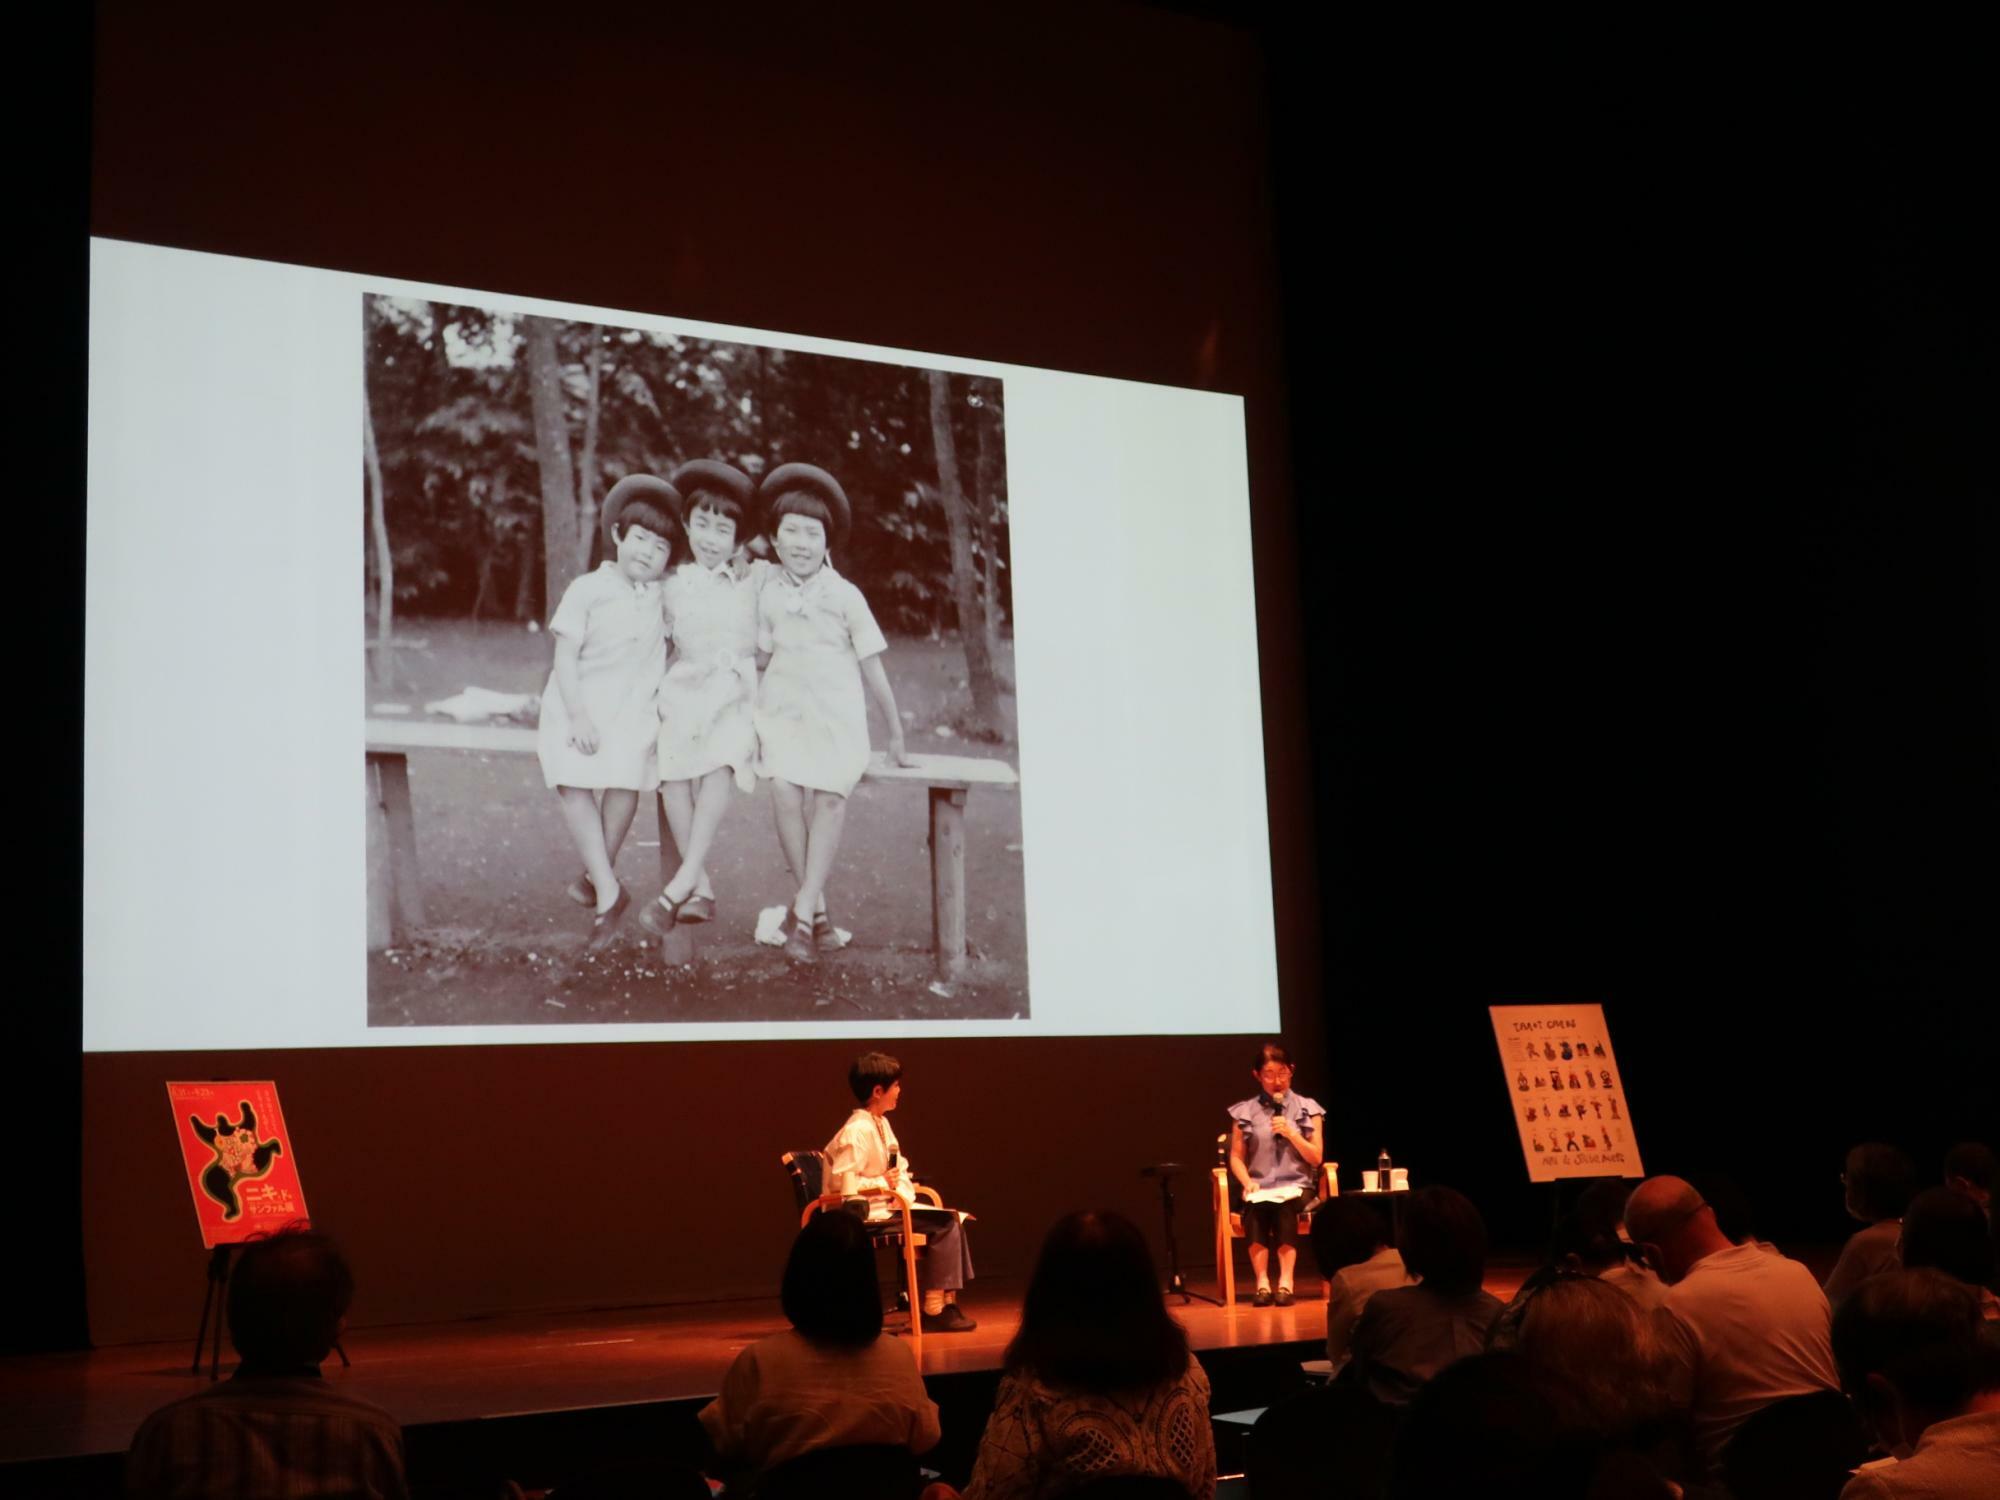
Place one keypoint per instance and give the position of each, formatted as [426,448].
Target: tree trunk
[964,581]
[385,566]
[586,510]
[552,453]
[987,509]
[524,579]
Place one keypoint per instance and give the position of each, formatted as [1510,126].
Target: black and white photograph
[690,680]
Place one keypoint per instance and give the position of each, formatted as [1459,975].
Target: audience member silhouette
[1748,1327]
[1407,1334]
[830,1382]
[1879,1182]
[1910,1355]
[275,1428]
[1493,1426]
[1356,1261]
[1610,1357]
[1099,1380]
[1945,1229]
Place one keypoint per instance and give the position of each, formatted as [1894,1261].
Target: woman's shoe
[696,909]
[604,926]
[1283,1296]
[1263,1297]
[660,916]
[799,946]
[582,892]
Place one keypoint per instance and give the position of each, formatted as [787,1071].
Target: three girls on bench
[707,733]
[597,740]
[822,645]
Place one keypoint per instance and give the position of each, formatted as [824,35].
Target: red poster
[239,1158]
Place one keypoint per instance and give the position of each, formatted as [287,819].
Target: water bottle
[1382,1166]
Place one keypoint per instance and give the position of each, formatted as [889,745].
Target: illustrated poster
[240,1165]
[1569,1096]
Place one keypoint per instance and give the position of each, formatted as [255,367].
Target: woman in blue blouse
[1275,1148]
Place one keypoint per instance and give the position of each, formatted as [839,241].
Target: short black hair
[802,502]
[829,1293]
[1944,1228]
[1444,1240]
[1882,1179]
[650,514]
[871,1071]
[1271,1051]
[1345,1232]
[707,497]
[1918,1329]
[1094,1318]
[287,1296]
[1975,1162]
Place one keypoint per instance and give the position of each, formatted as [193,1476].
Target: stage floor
[69,1405]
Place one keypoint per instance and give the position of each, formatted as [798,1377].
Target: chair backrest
[864,1471]
[1130,1487]
[808,1172]
[1795,1449]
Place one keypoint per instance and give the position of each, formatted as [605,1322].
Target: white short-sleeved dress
[708,699]
[620,629]
[812,720]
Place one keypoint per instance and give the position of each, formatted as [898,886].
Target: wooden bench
[395,882]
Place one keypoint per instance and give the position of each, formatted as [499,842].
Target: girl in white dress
[707,736]
[812,721]
[600,727]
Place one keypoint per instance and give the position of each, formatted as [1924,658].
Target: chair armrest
[930,1193]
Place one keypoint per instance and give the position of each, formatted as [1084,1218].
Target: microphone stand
[1176,1286]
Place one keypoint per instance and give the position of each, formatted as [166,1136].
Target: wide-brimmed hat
[714,475]
[637,487]
[812,480]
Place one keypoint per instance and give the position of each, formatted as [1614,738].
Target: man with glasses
[1747,1327]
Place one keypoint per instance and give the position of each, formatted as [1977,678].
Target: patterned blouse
[1042,1442]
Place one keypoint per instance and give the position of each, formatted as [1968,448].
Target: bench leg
[677,947]
[948,880]
[381,871]
[402,822]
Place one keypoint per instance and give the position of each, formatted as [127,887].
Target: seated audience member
[1493,1425]
[1586,1243]
[1880,1181]
[1407,1334]
[1800,1448]
[1734,1214]
[276,1428]
[1971,1168]
[1908,1347]
[832,1381]
[1747,1327]
[1356,1261]
[1945,1230]
[1328,1439]
[1610,1356]
[1099,1381]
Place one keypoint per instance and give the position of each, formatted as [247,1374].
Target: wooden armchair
[1229,1222]
[807,1170]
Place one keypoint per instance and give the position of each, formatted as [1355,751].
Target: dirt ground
[502,945]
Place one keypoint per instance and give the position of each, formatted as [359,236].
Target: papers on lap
[1274,1195]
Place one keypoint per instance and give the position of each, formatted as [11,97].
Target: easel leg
[213,1305]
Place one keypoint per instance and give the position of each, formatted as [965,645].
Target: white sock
[933,1303]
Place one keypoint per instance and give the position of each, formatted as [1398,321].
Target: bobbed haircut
[719,501]
[287,1296]
[1975,1162]
[1345,1232]
[1945,1229]
[1599,1341]
[802,503]
[1271,1051]
[1094,1318]
[1882,1179]
[870,1071]
[829,1293]
[654,516]
[1444,1240]
[1918,1329]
